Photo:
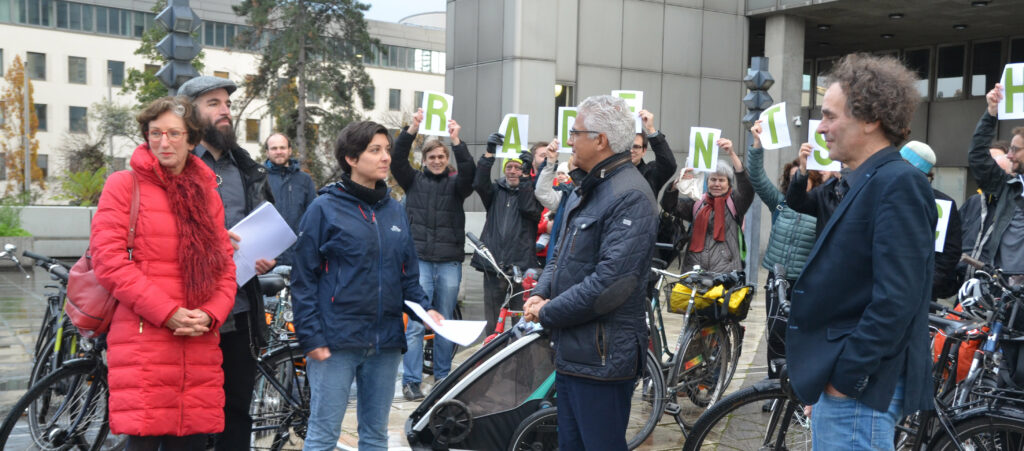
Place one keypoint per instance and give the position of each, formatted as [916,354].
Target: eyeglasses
[574,132]
[1015,149]
[172,135]
[638,147]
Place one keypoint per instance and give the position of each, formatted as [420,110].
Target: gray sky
[395,10]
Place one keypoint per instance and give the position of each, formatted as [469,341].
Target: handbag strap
[134,213]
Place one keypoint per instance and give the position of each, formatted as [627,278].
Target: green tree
[12,130]
[308,47]
[142,83]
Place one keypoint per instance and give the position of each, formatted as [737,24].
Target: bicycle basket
[711,304]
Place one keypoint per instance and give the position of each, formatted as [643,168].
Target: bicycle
[57,339]
[281,394]
[765,416]
[703,360]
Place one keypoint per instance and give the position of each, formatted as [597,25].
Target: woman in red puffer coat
[174,289]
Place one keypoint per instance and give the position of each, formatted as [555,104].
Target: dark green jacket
[793,234]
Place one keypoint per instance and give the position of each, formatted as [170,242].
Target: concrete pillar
[784,47]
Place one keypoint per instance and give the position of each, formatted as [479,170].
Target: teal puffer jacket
[793,234]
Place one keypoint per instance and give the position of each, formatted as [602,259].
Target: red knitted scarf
[201,254]
[700,223]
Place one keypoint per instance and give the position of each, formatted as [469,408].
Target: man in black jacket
[510,230]
[591,298]
[433,201]
[242,185]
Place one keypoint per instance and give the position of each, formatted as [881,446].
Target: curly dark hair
[878,88]
[181,107]
[784,178]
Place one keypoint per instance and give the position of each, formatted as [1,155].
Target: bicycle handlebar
[51,265]
[476,241]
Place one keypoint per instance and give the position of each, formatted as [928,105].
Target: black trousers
[775,328]
[495,288]
[239,378]
[195,442]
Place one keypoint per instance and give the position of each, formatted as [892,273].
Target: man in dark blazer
[857,338]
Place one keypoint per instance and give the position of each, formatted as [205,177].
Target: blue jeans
[440,280]
[330,381]
[847,424]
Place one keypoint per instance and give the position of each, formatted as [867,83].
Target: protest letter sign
[516,128]
[942,224]
[635,101]
[704,149]
[566,120]
[1012,105]
[774,130]
[819,160]
[437,110]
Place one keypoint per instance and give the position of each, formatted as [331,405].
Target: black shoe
[412,392]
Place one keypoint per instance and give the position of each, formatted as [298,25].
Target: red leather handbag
[90,306]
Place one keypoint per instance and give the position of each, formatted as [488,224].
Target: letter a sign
[704,149]
[774,130]
[819,160]
[437,110]
[516,128]
[1012,105]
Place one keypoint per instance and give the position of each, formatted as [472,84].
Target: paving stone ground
[22,306]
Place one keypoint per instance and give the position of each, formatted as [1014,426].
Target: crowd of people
[857,247]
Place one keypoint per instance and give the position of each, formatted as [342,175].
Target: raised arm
[545,190]
[768,193]
[987,173]
[403,171]
[463,161]
[797,196]
[664,161]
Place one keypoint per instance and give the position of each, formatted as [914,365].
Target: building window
[949,72]
[986,66]
[252,130]
[151,69]
[417,99]
[1016,50]
[219,73]
[76,70]
[101,19]
[805,84]
[87,15]
[115,70]
[823,68]
[36,66]
[920,61]
[3,166]
[312,96]
[33,12]
[41,116]
[394,99]
[43,160]
[138,24]
[119,163]
[78,119]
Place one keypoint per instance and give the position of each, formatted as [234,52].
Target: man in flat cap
[242,184]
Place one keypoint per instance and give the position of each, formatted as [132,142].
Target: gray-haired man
[607,242]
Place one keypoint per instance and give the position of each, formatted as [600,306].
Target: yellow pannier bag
[708,303]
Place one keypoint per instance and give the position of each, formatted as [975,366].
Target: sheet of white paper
[819,160]
[437,110]
[1015,82]
[698,157]
[942,224]
[566,120]
[462,332]
[515,143]
[774,119]
[264,235]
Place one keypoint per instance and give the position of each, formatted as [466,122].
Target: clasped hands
[531,309]
[192,323]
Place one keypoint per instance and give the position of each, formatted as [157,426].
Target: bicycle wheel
[705,364]
[647,404]
[61,347]
[277,424]
[65,410]
[739,422]
[538,432]
[984,430]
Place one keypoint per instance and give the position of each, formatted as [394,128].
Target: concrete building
[689,57]
[78,54]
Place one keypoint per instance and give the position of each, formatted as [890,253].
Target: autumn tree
[308,48]
[12,130]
